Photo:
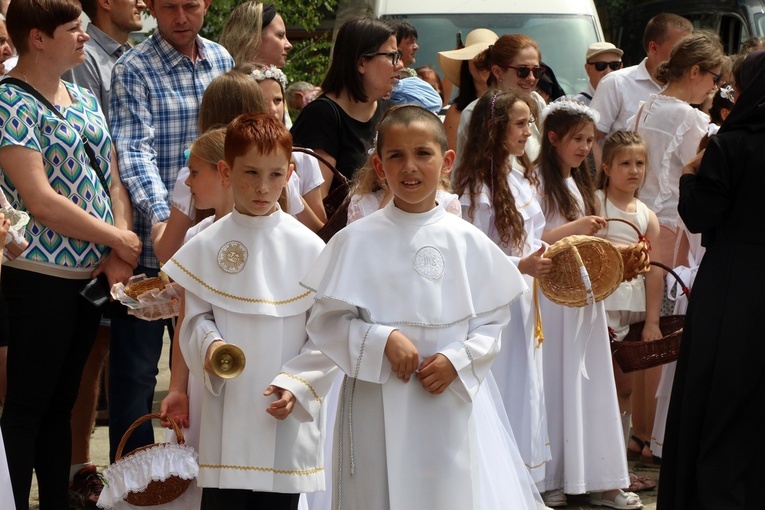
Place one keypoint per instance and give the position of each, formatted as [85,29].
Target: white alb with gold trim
[241,280]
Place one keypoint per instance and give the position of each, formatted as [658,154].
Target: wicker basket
[635,256]
[140,287]
[157,492]
[585,269]
[634,354]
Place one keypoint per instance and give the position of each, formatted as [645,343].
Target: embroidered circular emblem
[429,262]
[232,257]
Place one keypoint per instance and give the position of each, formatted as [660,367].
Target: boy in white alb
[410,303]
[240,277]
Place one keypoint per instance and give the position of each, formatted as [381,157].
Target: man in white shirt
[601,59]
[619,94]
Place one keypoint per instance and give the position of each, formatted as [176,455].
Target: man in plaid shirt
[156,91]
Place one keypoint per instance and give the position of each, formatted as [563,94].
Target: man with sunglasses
[619,94]
[600,60]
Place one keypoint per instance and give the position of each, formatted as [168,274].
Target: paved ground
[100,447]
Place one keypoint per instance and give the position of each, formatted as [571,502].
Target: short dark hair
[406,114]
[403,30]
[356,38]
[44,15]
[90,8]
[659,26]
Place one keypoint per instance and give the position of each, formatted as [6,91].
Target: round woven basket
[585,269]
[140,287]
[634,256]
[158,492]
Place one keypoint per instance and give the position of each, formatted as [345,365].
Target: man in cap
[600,60]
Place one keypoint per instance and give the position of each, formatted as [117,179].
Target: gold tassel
[538,333]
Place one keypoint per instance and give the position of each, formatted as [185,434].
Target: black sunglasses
[394,56]
[601,66]
[524,71]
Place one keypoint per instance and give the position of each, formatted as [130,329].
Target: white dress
[6,491]
[583,418]
[627,304]
[687,274]
[445,286]
[518,366]
[240,282]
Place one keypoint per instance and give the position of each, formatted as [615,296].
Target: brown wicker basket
[635,256]
[566,285]
[135,289]
[157,492]
[634,354]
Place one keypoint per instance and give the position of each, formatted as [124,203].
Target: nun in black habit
[713,452]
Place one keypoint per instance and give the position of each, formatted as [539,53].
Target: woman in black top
[340,124]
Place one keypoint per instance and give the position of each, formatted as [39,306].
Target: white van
[562,28]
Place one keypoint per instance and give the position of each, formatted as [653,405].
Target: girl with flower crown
[584,423]
[496,184]
[303,187]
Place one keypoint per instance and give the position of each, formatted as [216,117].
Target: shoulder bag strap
[88,149]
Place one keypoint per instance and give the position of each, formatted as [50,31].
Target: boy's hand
[402,355]
[436,374]
[282,407]
[208,356]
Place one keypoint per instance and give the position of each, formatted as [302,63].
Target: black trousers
[52,330]
[242,499]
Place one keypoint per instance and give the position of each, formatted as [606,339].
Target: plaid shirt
[156,92]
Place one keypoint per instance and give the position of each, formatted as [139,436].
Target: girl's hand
[402,354]
[650,332]
[436,374]
[589,225]
[175,405]
[282,407]
[536,264]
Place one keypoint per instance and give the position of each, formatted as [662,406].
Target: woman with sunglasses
[514,64]
[672,130]
[340,124]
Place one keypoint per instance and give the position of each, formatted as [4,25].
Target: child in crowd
[240,287]
[307,177]
[621,175]
[580,394]
[496,183]
[410,303]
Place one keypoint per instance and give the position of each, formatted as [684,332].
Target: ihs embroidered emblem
[429,262]
[232,257]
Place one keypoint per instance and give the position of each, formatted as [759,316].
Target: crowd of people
[411,361]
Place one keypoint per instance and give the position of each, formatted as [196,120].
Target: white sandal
[622,501]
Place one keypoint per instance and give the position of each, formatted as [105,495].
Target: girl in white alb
[496,183]
[583,418]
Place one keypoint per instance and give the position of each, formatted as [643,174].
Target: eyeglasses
[394,56]
[715,77]
[524,71]
[601,66]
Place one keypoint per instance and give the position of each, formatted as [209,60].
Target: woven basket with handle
[633,353]
[635,256]
[585,270]
[158,492]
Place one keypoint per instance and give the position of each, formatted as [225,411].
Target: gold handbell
[228,361]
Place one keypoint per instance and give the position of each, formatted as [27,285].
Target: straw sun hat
[475,42]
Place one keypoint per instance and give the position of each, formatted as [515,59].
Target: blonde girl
[496,184]
[304,185]
[583,418]
[621,174]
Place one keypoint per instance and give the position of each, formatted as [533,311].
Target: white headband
[570,106]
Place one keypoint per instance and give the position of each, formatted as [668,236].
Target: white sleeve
[607,102]
[294,196]
[198,331]
[181,198]
[309,171]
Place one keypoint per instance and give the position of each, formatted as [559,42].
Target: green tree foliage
[610,13]
[309,58]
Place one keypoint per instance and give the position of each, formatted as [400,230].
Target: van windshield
[563,39]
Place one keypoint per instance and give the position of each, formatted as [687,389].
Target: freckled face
[257,180]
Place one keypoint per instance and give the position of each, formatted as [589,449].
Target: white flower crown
[270,73]
[570,106]
[726,92]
